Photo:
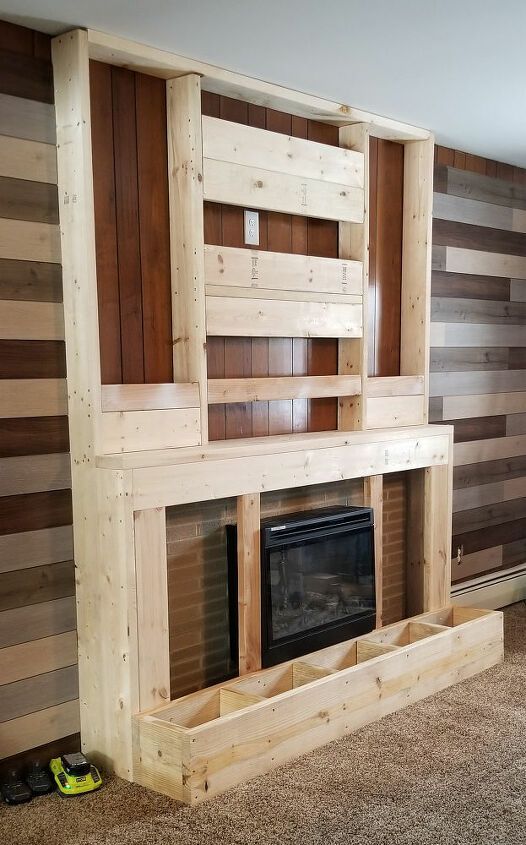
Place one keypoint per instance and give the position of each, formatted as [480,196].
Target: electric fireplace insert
[317,580]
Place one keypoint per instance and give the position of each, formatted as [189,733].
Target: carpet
[449,770]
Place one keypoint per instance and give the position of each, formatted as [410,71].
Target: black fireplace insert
[317,580]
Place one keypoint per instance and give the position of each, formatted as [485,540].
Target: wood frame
[128,465]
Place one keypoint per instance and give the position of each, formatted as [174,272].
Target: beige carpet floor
[450,770]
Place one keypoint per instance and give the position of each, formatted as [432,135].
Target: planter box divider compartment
[200,745]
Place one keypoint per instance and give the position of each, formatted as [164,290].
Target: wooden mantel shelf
[277,444]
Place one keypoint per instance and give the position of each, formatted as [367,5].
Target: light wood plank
[489,450]
[34,621]
[259,148]
[35,548]
[44,397]
[250,268]
[386,411]
[273,318]
[34,474]
[476,563]
[152,607]
[24,320]
[132,431]
[257,188]
[27,119]
[37,657]
[295,387]
[373,494]
[283,295]
[395,386]
[39,728]
[484,263]
[24,240]
[185,169]
[149,397]
[31,160]
[249,582]
[476,213]
[462,310]
[476,334]
[469,384]
[488,494]
[484,405]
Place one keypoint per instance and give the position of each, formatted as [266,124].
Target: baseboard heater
[492,591]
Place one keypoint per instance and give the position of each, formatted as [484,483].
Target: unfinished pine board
[395,386]
[23,240]
[386,411]
[34,474]
[293,387]
[44,397]
[193,482]
[373,495]
[189,751]
[35,548]
[131,54]
[484,405]
[249,582]
[149,397]
[235,184]
[251,268]
[36,657]
[416,262]
[476,335]
[283,295]
[152,607]
[29,160]
[27,119]
[132,431]
[239,317]
[39,728]
[24,320]
[185,182]
[260,148]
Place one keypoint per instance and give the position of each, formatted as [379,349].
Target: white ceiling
[457,67]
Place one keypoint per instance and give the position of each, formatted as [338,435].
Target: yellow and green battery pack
[75,775]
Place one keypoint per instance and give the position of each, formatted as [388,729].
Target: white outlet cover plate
[252,228]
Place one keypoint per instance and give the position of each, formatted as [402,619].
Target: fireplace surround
[317,580]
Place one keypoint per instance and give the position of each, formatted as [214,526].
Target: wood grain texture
[27,119]
[36,657]
[32,359]
[24,320]
[46,619]
[34,511]
[24,550]
[23,199]
[30,280]
[22,587]
[31,160]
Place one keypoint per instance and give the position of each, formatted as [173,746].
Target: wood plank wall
[478,354]
[38,649]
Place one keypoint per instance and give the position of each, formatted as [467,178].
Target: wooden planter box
[200,745]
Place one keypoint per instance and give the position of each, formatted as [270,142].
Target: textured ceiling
[457,67]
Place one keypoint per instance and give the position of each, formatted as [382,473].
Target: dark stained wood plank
[38,693]
[513,553]
[463,285]
[33,436]
[486,538]
[475,163]
[26,76]
[497,513]
[127,211]
[152,158]
[32,359]
[444,155]
[517,358]
[16,38]
[22,199]
[488,472]
[105,223]
[468,236]
[436,409]
[30,280]
[469,359]
[39,583]
[42,45]
[33,511]
[479,428]
[475,186]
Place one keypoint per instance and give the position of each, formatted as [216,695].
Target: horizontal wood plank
[38,693]
[22,624]
[479,428]
[395,386]
[149,397]
[39,728]
[30,280]
[43,397]
[262,149]
[22,240]
[386,411]
[466,210]
[132,431]
[479,187]
[481,262]
[488,472]
[483,405]
[38,656]
[516,424]
[250,187]
[470,286]
[23,320]
[453,310]
[273,318]
[488,494]
[468,359]
[476,563]
[31,160]
[26,76]
[476,334]
[466,236]
[468,384]
[35,548]
[490,450]
[33,436]
[295,387]
[22,199]
[40,583]
[495,513]
[249,268]
[33,511]
[27,119]
[34,474]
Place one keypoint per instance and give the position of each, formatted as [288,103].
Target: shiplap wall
[38,649]
[478,354]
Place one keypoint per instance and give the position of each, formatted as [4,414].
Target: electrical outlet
[252,228]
